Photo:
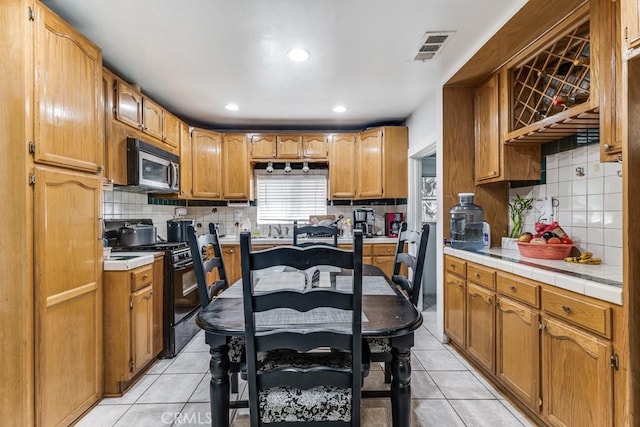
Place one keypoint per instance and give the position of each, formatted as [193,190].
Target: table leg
[219,386]
[401,386]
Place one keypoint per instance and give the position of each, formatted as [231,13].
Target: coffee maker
[392,222]
[363,219]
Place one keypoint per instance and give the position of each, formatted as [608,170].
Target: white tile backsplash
[588,207]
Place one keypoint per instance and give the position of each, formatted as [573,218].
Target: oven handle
[181,267]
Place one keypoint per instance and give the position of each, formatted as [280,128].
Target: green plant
[516,213]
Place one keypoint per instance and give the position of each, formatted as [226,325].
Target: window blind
[283,198]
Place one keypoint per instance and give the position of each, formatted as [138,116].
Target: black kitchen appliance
[151,169]
[392,222]
[180,300]
[177,229]
[363,219]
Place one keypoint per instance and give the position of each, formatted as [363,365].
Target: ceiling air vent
[432,43]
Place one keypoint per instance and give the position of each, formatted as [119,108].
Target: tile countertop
[603,281]
[229,240]
[123,261]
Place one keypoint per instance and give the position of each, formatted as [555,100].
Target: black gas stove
[180,289]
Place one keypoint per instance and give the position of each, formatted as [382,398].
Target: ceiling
[195,56]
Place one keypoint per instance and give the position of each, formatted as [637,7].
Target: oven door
[185,291]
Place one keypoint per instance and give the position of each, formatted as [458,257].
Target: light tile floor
[446,391]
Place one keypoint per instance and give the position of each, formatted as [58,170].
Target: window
[283,198]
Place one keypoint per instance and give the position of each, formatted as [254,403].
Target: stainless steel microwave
[151,169]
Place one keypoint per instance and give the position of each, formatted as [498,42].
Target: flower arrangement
[517,207]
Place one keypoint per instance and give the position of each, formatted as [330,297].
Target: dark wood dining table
[387,313]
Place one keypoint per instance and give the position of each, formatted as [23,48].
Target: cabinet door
[158,321]
[487,130]
[481,325]
[385,263]
[631,22]
[342,166]
[231,257]
[369,164]
[68,294]
[288,147]
[171,130]
[207,171]
[142,327]
[128,105]
[235,167]
[454,308]
[68,125]
[577,379]
[152,115]
[518,350]
[263,147]
[185,161]
[315,147]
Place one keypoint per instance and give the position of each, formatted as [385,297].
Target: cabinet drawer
[141,277]
[518,288]
[455,266]
[383,249]
[482,276]
[592,316]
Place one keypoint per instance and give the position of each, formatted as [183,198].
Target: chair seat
[236,349]
[285,404]
[292,359]
[379,345]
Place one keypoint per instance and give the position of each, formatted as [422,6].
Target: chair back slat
[208,264]
[302,340]
[311,231]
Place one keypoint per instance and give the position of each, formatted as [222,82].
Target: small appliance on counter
[392,222]
[177,229]
[363,219]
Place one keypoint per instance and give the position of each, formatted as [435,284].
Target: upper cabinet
[342,166]
[140,112]
[381,163]
[289,147]
[495,160]
[206,149]
[185,161]
[315,147]
[235,167]
[262,147]
[68,126]
[565,82]
[631,23]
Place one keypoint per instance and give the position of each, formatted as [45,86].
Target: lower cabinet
[128,326]
[551,349]
[231,258]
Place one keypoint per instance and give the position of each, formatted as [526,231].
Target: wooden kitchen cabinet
[288,147]
[158,292]
[381,163]
[206,149]
[152,118]
[518,350]
[128,326]
[577,377]
[68,294]
[231,257]
[455,300]
[171,126]
[315,147]
[68,120]
[342,166]
[262,147]
[128,104]
[495,161]
[235,167]
[480,328]
[631,23]
[383,256]
[186,162]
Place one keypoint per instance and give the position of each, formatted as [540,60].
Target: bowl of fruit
[548,245]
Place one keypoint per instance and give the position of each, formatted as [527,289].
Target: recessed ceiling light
[298,55]
[339,109]
[231,107]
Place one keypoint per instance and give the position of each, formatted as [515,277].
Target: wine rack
[550,92]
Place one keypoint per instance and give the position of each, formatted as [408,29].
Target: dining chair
[410,286]
[305,357]
[211,277]
[314,231]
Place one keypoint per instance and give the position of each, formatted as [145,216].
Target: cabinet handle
[606,147]
[566,309]
[512,288]
[460,287]
[477,275]
[488,301]
[231,251]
